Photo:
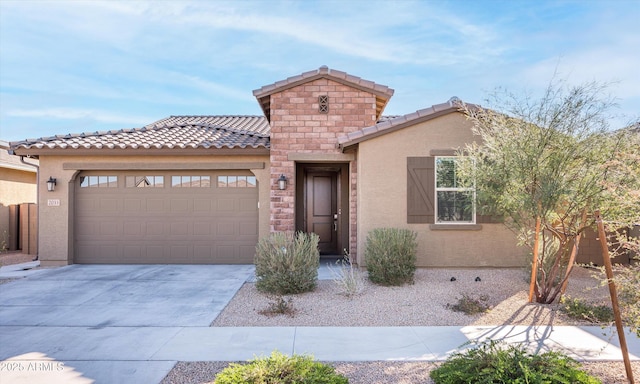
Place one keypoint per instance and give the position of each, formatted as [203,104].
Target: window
[236,181]
[454,203]
[144,181]
[191,181]
[98,181]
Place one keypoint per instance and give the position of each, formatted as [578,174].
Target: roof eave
[200,151]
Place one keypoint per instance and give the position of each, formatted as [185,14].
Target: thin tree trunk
[574,253]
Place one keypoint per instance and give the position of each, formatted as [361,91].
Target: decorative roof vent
[323,104]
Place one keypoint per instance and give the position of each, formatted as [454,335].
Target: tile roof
[394,123]
[156,136]
[245,124]
[382,92]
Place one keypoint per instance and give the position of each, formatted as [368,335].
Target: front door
[321,208]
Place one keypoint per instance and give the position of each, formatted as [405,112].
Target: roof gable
[381,92]
[386,126]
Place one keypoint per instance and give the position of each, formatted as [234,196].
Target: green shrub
[280,369]
[491,364]
[287,263]
[579,309]
[390,254]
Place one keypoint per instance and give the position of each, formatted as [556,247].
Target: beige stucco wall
[17,186]
[382,198]
[56,222]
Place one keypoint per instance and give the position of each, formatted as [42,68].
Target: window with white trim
[454,203]
[105,181]
[148,181]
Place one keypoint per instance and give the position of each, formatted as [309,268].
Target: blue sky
[82,66]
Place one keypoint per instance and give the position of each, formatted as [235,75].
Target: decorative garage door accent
[166,217]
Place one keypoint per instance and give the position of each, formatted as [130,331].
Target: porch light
[282,182]
[51,184]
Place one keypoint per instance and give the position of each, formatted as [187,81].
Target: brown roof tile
[163,134]
[245,124]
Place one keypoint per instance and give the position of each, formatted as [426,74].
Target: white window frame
[451,189]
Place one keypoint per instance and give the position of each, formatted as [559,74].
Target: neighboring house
[18,189]
[323,159]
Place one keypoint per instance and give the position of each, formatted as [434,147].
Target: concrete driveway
[70,322]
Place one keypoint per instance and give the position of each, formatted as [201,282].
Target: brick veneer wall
[298,126]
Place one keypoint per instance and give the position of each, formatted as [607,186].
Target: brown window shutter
[420,190]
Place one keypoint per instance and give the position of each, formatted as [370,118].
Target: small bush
[348,278]
[579,309]
[279,306]
[390,254]
[470,305]
[287,263]
[280,369]
[491,364]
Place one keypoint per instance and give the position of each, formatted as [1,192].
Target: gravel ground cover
[424,303]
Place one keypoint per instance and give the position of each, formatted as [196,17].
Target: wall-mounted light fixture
[51,184]
[282,182]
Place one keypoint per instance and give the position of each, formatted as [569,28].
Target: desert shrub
[580,309]
[347,277]
[470,305]
[489,363]
[281,369]
[627,282]
[287,263]
[390,254]
[279,306]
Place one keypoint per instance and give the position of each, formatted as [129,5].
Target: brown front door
[322,209]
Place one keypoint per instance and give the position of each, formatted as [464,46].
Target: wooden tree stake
[534,264]
[614,297]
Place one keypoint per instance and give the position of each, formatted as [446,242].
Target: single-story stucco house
[322,158]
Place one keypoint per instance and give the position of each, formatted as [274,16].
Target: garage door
[166,217]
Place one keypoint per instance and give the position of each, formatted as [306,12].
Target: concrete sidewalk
[147,354]
[66,345]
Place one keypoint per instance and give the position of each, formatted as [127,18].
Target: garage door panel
[111,228]
[154,205]
[225,230]
[133,205]
[247,205]
[132,252]
[132,229]
[247,228]
[202,229]
[193,223]
[226,205]
[180,206]
[179,252]
[180,229]
[201,206]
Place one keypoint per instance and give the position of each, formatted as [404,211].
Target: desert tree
[548,163]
